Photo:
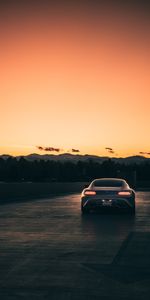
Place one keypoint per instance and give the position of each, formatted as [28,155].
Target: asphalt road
[49,251]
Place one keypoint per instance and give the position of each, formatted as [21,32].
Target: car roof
[111,179]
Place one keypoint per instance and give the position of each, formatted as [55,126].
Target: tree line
[14,170]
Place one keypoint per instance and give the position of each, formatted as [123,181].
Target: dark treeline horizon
[13,170]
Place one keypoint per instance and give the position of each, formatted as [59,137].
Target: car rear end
[96,197]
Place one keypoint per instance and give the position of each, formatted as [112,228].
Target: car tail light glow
[125,193]
[89,193]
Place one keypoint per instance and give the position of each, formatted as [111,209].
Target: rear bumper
[109,203]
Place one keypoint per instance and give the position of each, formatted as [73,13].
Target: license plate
[107,202]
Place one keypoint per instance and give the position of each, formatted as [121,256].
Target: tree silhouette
[12,169]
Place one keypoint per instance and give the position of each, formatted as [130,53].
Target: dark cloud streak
[109,149]
[144,153]
[53,149]
[48,149]
[75,150]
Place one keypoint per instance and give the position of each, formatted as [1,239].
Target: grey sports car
[108,193]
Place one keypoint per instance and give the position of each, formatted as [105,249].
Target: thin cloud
[39,148]
[109,149]
[53,149]
[75,150]
[144,153]
[48,149]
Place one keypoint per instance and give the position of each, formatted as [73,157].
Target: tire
[132,210]
[84,210]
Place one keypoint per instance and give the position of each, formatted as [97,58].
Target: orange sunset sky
[74,76]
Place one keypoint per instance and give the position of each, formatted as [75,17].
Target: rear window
[108,183]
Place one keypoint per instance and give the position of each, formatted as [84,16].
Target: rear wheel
[132,210]
[84,210]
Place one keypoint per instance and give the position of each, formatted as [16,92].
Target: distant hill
[138,159]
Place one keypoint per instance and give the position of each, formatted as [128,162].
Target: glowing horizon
[77,79]
[27,150]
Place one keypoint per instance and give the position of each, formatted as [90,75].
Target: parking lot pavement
[49,251]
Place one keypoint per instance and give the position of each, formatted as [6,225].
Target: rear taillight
[89,193]
[125,193]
